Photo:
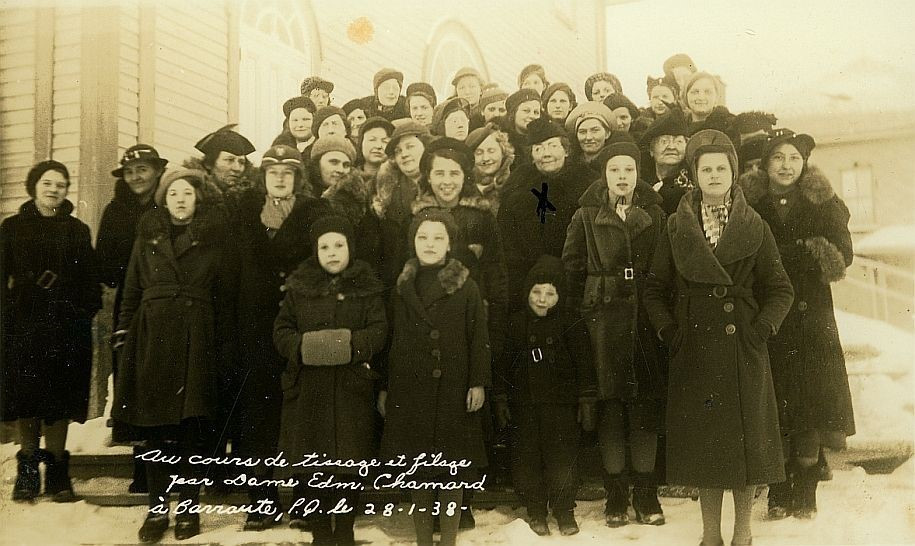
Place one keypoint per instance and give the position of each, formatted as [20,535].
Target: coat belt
[165,291]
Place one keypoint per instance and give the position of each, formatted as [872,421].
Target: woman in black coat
[175,325]
[270,233]
[810,225]
[50,292]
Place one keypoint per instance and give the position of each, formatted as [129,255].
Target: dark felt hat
[443,110]
[433,214]
[478,135]
[547,269]
[618,144]
[672,123]
[225,139]
[353,105]
[384,75]
[298,102]
[804,143]
[463,153]
[752,148]
[666,81]
[375,122]
[316,82]
[751,122]
[402,128]
[619,100]
[332,223]
[424,89]
[325,112]
[513,101]
[140,152]
[542,129]
[38,170]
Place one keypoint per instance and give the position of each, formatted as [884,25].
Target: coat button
[532,339]
[283,288]
[728,307]
[607,299]
[436,373]
[434,334]
[341,297]
[802,306]
[730,329]
[549,340]
[282,274]
[188,303]
[436,353]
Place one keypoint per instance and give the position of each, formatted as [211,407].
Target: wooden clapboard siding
[128,75]
[18,27]
[67,110]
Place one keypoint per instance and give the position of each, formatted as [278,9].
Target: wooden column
[233,56]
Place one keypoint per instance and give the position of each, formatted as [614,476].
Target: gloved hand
[587,412]
[331,347]
[503,414]
[382,403]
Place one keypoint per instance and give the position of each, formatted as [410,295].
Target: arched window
[450,47]
[277,47]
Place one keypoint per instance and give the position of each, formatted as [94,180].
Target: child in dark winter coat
[542,379]
[331,323]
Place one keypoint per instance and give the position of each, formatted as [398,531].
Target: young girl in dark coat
[542,379]
[330,326]
[50,292]
[810,225]
[716,293]
[438,368]
[608,249]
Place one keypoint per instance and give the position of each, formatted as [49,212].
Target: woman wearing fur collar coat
[810,225]
[716,293]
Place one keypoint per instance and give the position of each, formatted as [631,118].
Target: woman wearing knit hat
[376,133]
[590,125]
[451,119]
[50,294]
[607,251]
[521,108]
[493,155]
[177,333]
[468,85]
[330,121]
[810,225]
[386,100]
[601,85]
[533,77]
[330,327]
[420,102]
[716,294]
[439,368]
[397,181]
[297,127]
[558,100]
[355,115]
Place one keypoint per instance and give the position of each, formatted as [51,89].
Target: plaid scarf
[714,218]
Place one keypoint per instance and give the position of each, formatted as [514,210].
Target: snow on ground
[855,508]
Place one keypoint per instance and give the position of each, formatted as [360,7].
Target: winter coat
[477,226]
[46,359]
[374,108]
[393,194]
[437,354]
[491,185]
[329,409]
[522,148]
[808,366]
[524,237]
[116,234]
[671,188]
[178,309]
[607,262]
[215,191]
[722,420]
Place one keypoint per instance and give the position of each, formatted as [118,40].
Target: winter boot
[825,472]
[139,483]
[566,521]
[780,497]
[805,493]
[616,511]
[645,500]
[537,519]
[28,482]
[467,520]
[343,529]
[57,479]
[187,526]
[322,534]
[153,528]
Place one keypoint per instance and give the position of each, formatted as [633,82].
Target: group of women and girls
[387,260]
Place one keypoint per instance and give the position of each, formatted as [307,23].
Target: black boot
[537,516]
[153,528]
[187,526]
[645,500]
[616,511]
[565,519]
[467,520]
[57,479]
[343,529]
[780,497]
[139,484]
[322,534]
[805,492]
[257,521]
[28,482]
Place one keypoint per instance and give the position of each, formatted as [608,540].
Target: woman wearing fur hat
[607,254]
[558,100]
[493,156]
[386,101]
[318,90]
[717,292]
[271,238]
[330,326]
[176,325]
[438,369]
[810,225]
[50,292]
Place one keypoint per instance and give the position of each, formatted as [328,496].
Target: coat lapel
[691,252]
[742,236]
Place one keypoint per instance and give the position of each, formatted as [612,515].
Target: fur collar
[451,277]
[386,181]
[814,185]
[349,197]
[208,225]
[213,188]
[428,201]
[30,210]
[310,280]
[637,219]
[694,258]
[494,182]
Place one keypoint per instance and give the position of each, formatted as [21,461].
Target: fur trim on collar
[310,280]
[208,226]
[349,197]
[386,181]
[428,200]
[213,189]
[597,195]
[452,277]
[494,182]
[814,185]
[30,209]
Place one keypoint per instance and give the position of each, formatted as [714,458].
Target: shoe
[187,526]
[259,522]
[566,521]
[467,520]
[616,509]
[616,519]
[153,528]
[57,478]
[299,523]
[780,496]
[645,501]
[28,482]
[539,526]
[805,493]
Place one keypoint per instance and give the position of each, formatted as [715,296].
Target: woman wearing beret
[601,85]
[558,100]
[624,110]
[493,156]
[420,102]
[451,119]
[590,124]
[355,115]
[370,155]
[50,292]
[521,107]
[716,293]
[176,325]
[607,253]
[533,77]
[297,127]
[810,225]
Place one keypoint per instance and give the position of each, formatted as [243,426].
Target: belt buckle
[629,273]
[720,291]
[47,279]
[537,354]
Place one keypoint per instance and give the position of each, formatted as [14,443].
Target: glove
[587,413]
[330,347]
[382,403]
[503,414]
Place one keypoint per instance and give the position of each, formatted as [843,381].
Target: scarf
[714,218]
[622,208]
[275,212]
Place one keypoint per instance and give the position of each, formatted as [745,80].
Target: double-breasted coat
[439,351]
[607,261]
[808,366]
[722,419]
[330,409]
[178,308]
[50,292]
